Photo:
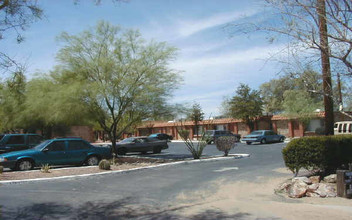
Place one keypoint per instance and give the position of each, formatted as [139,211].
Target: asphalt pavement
[143,194]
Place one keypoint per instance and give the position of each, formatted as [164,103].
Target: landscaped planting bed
[122,163]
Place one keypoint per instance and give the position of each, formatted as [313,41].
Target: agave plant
[45,168]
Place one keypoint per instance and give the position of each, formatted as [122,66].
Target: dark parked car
[16,142]
[140,144]
[263,137]
[60,151]
[161,136]
[212,135]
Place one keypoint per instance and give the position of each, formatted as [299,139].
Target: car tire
[157,150]
[248,143]
[25,164]
[282,139]
[263,141]
[92,161]
[121,151]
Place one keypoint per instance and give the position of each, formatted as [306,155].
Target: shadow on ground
[122,209]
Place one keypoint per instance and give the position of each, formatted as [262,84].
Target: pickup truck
[140,144]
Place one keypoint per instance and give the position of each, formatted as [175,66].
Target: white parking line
[226,169]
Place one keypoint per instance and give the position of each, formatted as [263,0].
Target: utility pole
[326,72]
[339,91]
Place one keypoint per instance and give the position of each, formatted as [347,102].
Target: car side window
[16,139]
[33,139]
[137,141]
[56,146]
[77,145]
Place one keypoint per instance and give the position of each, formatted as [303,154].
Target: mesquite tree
[121,79]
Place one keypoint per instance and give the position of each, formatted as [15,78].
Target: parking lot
[178,150]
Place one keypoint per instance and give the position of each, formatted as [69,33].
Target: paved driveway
[178,150]
[143,194]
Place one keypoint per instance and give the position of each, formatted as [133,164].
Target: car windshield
[127,140]
[257,133]
[41,145]
[1,136]
[153,135]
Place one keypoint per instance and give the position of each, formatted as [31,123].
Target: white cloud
[189,27]
[193,66]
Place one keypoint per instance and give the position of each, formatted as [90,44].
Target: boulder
[314,179]
[330,179]
[303,179]
[325,190]
[313,187]
[285,187]
[312,194]
[297,190]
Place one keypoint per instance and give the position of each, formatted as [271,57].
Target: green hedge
[326,153]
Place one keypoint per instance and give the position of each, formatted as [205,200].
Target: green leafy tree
[52,106]
[196,115]
[246,105]
[121,79]
[273,91]
[298,102]
[12,97]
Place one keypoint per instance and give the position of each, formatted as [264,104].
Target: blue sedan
[263,137]
[60,151]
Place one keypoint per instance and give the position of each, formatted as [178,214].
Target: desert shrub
[225,144]
[197,148]
[104,165]
[45,168]
[1,169]
[324,153]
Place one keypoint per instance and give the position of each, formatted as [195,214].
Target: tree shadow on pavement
[121,209]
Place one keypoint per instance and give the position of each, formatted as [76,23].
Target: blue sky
[213,63]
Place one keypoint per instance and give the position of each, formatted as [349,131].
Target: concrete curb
[229,157]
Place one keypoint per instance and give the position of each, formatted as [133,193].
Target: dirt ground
[257,200]
[123,163]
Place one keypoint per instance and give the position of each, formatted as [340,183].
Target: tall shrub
[324,153]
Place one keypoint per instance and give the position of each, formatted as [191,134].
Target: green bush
[1,169]
[324,153]
[225,144]
[104,165]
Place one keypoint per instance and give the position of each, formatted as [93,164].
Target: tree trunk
[326,72]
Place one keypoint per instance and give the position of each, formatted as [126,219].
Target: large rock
[303,179]
[330,179]
[314,179]
[313,187]
[285,187]
[325,190]
[298,189]
[312,194]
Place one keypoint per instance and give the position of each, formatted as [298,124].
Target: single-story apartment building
[288,126]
